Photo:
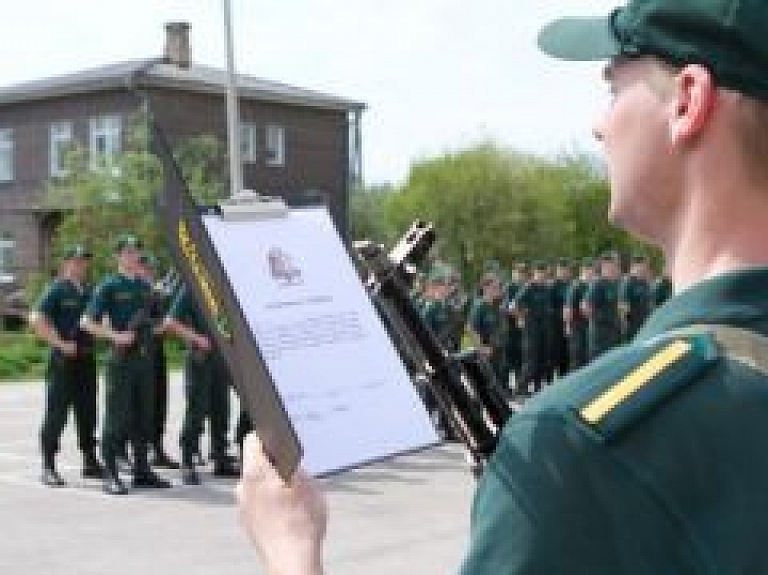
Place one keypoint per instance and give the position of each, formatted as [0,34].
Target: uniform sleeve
[522,299]
[98,304]
[553,501]
[48,302]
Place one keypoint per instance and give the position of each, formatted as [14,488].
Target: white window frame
[7,156]
[60,143]
[108,128]
[249,142]
[275,138]
[7,257]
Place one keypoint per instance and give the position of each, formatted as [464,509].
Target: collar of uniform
[735,298]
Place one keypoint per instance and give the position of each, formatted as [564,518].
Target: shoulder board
[651,377]
[624,386]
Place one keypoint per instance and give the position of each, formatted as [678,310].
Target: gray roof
[196,78]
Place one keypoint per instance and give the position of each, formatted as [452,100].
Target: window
[275,145]
[7,250]
[248,145]
[105,135]
[60,145]
[6,155]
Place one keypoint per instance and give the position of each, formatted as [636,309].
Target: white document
[343,384]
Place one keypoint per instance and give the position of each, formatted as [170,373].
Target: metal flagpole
[233,114]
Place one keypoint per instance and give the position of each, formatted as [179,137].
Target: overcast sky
[437,75]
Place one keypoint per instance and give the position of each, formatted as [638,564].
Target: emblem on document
[283,269]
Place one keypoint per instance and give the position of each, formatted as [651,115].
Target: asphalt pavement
[406,516]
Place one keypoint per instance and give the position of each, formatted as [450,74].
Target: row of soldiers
[543,320]
[131,313]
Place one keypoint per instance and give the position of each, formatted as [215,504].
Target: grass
[23,356]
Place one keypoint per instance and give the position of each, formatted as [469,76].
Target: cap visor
[579,39]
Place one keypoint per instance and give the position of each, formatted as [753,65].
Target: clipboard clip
[248,205]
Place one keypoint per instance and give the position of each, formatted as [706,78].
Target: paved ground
[405,516]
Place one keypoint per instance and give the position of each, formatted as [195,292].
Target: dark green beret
[77,251]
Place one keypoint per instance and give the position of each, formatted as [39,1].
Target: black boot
[50,476]
[143,476]
[113,485]
[92,467]
[161,458]
[225,466]
[189,475]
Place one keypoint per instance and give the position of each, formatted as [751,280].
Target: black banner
[200,267]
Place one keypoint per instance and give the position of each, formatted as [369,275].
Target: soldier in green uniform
[487,326]
[206,385]
[532,307]
[158,310]
[119,312]
[560,285]
[634,298]
[601,308]
[652,459]
[435,311]
[574,320]
[71,378]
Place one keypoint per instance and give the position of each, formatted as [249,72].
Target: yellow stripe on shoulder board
[644,373]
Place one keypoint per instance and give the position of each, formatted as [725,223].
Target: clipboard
[343,391]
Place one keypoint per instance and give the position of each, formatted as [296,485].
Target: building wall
[316,142]
[316,163]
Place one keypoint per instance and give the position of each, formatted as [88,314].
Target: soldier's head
[75,262]
[128,253]
[688,120]
[438,283]
[540,271]
[640,267]
[588,272]
[563,269]
[490,286]
[610,267]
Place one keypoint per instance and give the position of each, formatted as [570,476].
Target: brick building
[295,143]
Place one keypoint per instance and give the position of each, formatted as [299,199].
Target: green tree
[102,197]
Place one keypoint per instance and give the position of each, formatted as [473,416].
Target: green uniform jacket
[62,304]
[604,330]
[635,294]
[669,479]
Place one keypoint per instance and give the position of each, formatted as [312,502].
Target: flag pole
[233,115]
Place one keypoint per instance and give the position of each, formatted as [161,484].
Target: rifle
[467,393]
[147,315]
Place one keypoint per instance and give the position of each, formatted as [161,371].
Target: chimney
[177,44]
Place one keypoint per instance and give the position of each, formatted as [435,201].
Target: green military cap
[127,241]
[540,265]
[440,275]
[77,251]
[726,36]
[588,263]
[610,256]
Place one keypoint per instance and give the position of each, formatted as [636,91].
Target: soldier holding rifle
[119,312]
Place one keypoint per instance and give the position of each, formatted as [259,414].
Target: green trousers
[602,337]
[206,384]
[70,383]
[128,408]
[577,345]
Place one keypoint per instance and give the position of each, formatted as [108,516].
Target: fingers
[256,464]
